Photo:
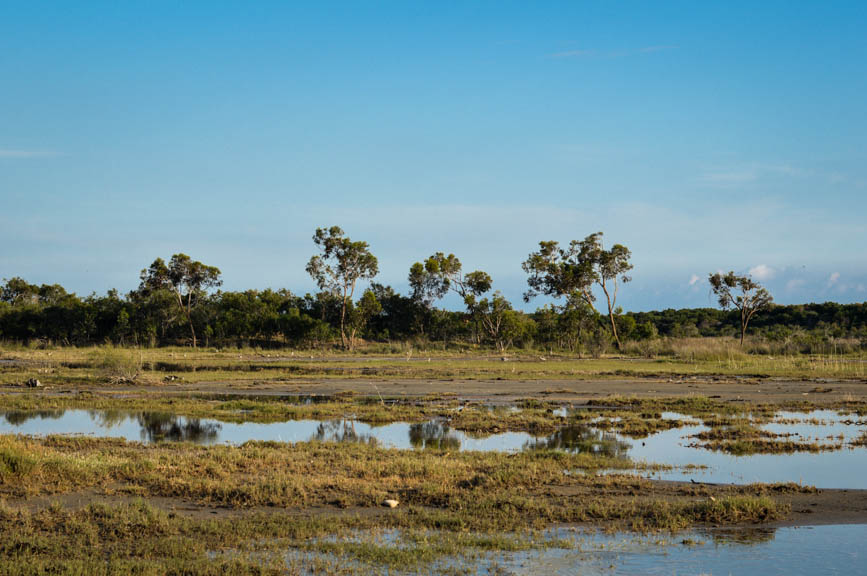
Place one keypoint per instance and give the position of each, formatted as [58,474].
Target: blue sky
[703,136]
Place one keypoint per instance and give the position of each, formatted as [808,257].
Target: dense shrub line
[276,318]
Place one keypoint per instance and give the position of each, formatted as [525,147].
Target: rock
[391,503]
[34,383]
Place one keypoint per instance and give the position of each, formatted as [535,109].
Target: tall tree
[440,273]
[187,279]
[341,264]
[742,293]
[572,272]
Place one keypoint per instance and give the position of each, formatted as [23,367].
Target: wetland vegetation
[273,442]
[476,474]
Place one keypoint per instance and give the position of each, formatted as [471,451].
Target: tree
[440,273]
[188,280]
[577,320]
[339,267]
[491,314]
[742,293]
[572,272]
[18,291]
[360,314]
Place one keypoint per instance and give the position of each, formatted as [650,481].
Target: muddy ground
[821,507]
[578,391]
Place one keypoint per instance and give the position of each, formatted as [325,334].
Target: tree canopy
[573,271]
[338,267]
[742,293]
[187,279]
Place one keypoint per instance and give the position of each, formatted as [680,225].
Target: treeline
[179,302]
[151,316]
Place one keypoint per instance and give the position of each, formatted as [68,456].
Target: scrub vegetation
[176,347]
[178,507]
[175,304]
[178,504]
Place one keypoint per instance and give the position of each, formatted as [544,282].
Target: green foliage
[440,274]
[117,364]
[175,301]
[742,293]
[360,314]
[187,280]
[341,264]
[573,272]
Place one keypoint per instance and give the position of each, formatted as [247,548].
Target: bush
[118,365]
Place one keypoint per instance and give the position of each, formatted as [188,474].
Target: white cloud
[743,174]
[694,280]
[762,272]
[833,279]
[795,283]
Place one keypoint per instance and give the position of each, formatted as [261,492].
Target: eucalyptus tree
[186,279]
[492,313]
[360,313]
[742,293]
[441,274]
[573,271]
[339,266]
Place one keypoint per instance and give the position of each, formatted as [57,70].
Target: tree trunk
[193,331]
[343,322]
[192,328]
[611,313]
[614,329]
[613,325]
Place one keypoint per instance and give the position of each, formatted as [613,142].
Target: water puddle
[834,549]
[159,427]
[675,448]
[842,468]
[809,550]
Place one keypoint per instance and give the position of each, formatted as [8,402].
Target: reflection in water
[759,535]
[580,438]
[341,431]
[108,418]
[573,550]
[18,417]
[159,427]
[840,469]
[433,435]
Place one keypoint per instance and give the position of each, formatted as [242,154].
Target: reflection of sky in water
[742,551]
[846,468]
[804,550]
